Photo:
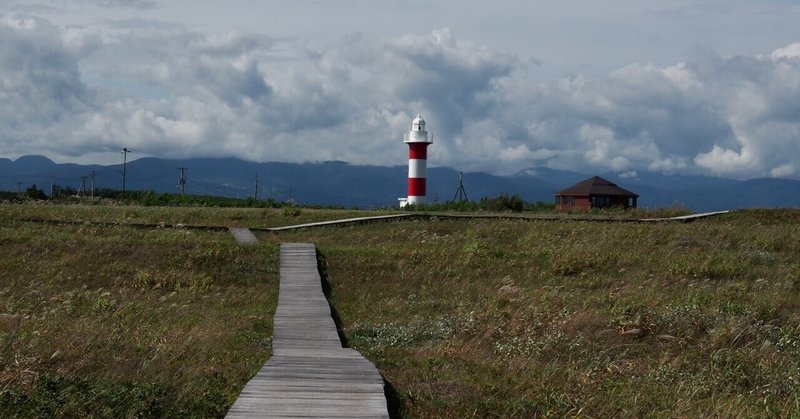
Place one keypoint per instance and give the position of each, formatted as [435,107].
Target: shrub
[503,202]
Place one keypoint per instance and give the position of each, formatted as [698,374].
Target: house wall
[577,203]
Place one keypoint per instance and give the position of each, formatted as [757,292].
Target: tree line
[145,198]
[501,203]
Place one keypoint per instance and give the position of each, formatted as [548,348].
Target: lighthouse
[418,142]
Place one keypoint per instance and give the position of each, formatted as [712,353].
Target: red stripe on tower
[416,187]
[418,151]
[417,140]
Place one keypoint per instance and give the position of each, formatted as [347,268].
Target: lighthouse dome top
[418,124]
[418,132]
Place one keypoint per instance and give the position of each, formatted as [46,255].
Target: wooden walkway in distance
[446,216]
[343,221]
[309,373]
[686,218]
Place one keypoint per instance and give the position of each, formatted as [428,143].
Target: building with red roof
[594,192]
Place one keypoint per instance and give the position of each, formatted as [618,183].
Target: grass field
[462,318]
[171,216]
[121,321]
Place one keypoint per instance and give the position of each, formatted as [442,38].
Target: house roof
[596,186]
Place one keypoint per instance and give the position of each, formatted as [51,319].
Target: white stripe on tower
[417,168]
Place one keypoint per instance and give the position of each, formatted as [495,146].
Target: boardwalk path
[309,373]
[687,218]
[450,216]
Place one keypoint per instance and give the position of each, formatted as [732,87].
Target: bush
[154,199]
[503,202]
[291,212]
[35,193]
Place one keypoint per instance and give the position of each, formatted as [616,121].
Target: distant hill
[340,183]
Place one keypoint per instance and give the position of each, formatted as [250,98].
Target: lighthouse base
[415,200]
[411,200]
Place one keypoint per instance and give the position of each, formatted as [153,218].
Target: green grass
[483,318]
[192,216]
[117,321]
[463,318]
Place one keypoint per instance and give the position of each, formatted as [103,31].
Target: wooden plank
[309,374]
[243,235]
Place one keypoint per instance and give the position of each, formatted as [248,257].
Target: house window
[601,201]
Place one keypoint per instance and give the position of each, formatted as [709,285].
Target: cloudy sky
[675,86]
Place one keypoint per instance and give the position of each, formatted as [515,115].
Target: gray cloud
[449,76]
[169,91]
[132,4]
[730,116]
[41,90]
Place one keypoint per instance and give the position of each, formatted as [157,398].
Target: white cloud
[725,161]
[733,116]
[170,91]
[133,4]
[791,51]
[41,92]
[784,170]
[667,165]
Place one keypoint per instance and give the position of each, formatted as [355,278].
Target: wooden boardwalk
[343,221]
[450,216]
[309,373]
[686,218]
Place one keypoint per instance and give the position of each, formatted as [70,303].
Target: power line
[160,176]
[215,188]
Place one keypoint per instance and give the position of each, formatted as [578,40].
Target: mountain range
[342,184]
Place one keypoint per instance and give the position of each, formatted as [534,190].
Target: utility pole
[182,180]
[92,174]
[19,188]
[461,193]
[51,187]
[124,152]
[255,192]
[82,189]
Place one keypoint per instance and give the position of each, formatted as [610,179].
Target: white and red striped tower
[417,140]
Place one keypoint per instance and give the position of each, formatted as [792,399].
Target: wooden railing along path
[309,374]
[513,217]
